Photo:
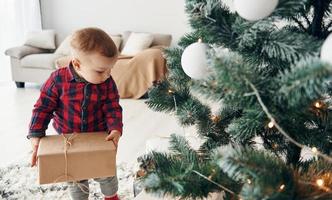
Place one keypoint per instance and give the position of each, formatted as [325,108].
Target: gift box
[74,157]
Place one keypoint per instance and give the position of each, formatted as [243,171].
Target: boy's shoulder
[61,75]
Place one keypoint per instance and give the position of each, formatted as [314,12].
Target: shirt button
[84,107]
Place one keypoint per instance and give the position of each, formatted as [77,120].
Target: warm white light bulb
[282,187]
[314,149]
[320,182]
[318,104]
[271,124]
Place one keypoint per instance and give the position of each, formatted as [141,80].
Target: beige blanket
[134,75]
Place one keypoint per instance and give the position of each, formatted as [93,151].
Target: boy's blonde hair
[90,40]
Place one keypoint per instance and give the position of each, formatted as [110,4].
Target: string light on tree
[274,145]
[215,118]
[189,114]
[254,10]
[314,150]
[318,104]
[214,84]
[282,187]
[194,60]
[270,124]
[320,182]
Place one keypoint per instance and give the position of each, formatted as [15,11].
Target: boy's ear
[76,63]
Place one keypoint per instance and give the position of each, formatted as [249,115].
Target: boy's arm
[112,109]
[44,108]
[34,145]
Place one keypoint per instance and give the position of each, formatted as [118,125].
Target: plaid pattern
[76,105]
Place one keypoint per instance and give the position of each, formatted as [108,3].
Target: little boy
[82,97]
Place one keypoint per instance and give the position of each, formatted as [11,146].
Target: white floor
[140,124]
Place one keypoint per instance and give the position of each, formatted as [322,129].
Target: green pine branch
[282,65]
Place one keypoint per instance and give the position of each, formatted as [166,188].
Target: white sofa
[32,64]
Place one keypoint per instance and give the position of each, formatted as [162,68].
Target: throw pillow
[117,40]
[62,62]
[136,43]
[42,39]
[64,48]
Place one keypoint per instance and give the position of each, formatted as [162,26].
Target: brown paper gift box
[89,155]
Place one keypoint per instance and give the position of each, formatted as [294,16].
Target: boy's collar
[74,76]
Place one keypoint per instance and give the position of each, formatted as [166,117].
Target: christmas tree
[268,66]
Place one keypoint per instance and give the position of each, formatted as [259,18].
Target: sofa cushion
[62,61]
[125,36]
[64,47]
[136,43]
[21,51]
[159,39]
[42,39]
[117,39]
[43,61]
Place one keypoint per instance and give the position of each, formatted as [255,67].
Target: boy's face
[93,67]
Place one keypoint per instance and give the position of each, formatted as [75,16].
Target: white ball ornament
[326,50]
[194,60]
[254,10]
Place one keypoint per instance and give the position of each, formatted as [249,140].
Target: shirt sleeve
[112,109]
[43,110]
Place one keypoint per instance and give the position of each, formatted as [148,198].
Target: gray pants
[108,186]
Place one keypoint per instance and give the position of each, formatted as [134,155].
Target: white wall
[116,16]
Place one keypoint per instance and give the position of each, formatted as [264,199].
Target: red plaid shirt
[76,105]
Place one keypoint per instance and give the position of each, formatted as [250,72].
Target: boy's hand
[34,144]
[114,136]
